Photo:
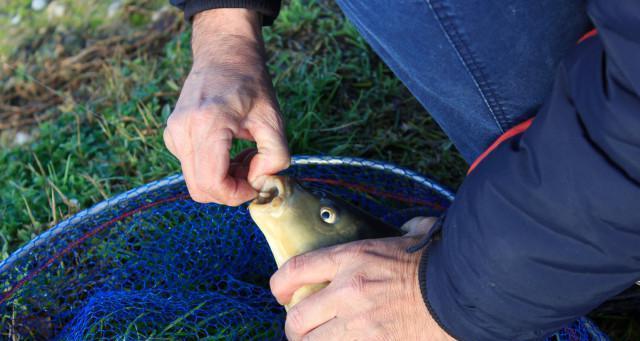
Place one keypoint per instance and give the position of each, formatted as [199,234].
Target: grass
[102,136]
[74,134]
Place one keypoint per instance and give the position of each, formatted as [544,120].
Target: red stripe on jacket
[520,128]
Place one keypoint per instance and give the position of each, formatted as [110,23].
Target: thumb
[272,157]
[418,226]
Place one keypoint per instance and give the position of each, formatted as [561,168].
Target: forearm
[228,51]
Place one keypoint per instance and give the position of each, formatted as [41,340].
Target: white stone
[113,9]
[159,13]
[15,20]
[55,10]
[21,138]
[38,5]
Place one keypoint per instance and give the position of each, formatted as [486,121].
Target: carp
[295,220]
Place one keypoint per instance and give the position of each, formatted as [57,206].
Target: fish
[296,220]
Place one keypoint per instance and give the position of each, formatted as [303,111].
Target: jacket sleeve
[268,8]
[547,227]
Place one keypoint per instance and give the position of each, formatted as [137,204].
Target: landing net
[152,264]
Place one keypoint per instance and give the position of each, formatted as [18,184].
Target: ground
[87,87]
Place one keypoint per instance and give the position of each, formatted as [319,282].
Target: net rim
[297,160]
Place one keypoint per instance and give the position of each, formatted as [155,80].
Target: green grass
[101,131]
[105,135]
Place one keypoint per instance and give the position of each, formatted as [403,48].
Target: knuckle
[361,247]
[342,290]
[197,197]
[358,283]
[209,187]
[267,119]
[208,116]
[278,293]
[174,121]
[269,111]
[283,159]
[200,116]
[166,134]
[278,284]
[296,264]
[274,284]
[234,202]
[369,244]
[167,138]
[203,185]
[225,133]
[222,200]
[340,250]
[295,321]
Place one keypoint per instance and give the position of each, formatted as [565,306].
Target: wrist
[227,36]
[238,22]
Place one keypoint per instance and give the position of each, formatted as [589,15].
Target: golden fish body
[295,220]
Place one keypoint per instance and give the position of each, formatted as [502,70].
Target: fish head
[295,220]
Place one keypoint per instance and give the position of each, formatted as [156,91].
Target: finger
[418,226]
[311,312]
[179,145]
[239,167]
[211,168]
[315,267]
[238,171]
[188,171]
[245,156]
[334,329]
[273,153]
[168,141]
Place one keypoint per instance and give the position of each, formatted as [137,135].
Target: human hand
[228,94]
[373,292]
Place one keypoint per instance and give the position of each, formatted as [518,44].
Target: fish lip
[274,193]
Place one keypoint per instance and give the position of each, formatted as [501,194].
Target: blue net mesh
[152,264]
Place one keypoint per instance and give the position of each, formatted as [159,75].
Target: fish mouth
[274,192]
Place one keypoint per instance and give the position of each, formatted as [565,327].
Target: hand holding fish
[373,293]
[228,94]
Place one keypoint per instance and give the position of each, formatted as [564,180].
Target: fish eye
[328,215]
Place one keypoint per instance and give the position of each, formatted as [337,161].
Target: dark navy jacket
[547,227]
